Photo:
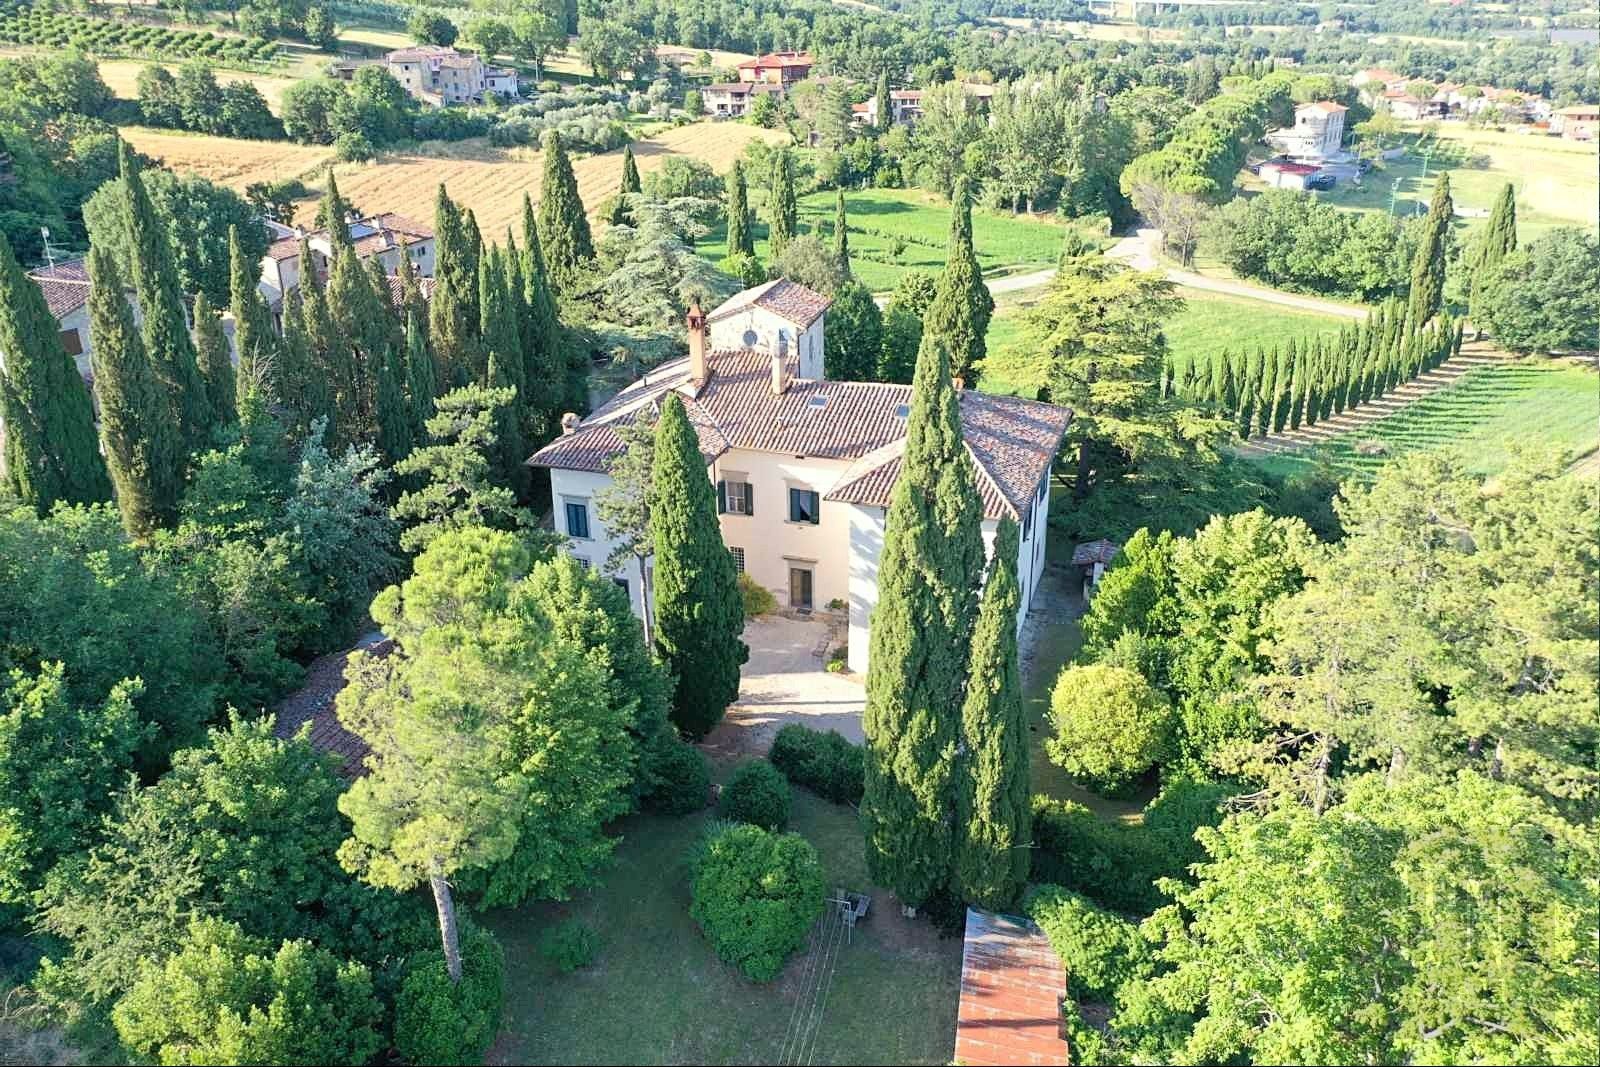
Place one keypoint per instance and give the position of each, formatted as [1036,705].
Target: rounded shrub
[758,599]
[824,763]
[755,895]
[757,794]
[682,780]
[440,1022]
[569,945]
[1111,726]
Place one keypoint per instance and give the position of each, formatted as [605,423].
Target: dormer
[778,316]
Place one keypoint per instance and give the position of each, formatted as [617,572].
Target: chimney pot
[569,423]
[780,371]
[699,369]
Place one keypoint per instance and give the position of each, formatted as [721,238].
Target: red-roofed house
[1378,80]
[803,465]
[777,68]
[1284,174]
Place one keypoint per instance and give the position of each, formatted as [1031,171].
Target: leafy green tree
[454,320]
[624,507]
[1497,241]
[902,326]
[1111,726]
[958,317]
[426,28]
[438,1020]
[782,213]
[57,760]
[755,894]
[564,239]
[141,448]
[880,98]
[699,613]
[928,574]
[49,452]
[1541,298]
[456,471]
[993,811]
[854,341]
[1433,250]
[741,239]
[223,996]
[1135,596]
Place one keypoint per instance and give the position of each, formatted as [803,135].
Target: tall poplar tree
[741,241]
[958,318]
[1498,240]
[782,211]
[1427,264]
[49,452]
[254,337]
[699,612]
[841,234]
[215,362]
[563,230]
[140,442]
[993,810]
[928,573]
[164,327]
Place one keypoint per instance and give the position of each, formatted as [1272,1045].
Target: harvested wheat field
[228,160]
[122,75]
[491,181]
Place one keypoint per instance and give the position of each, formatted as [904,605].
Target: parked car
[1320,181]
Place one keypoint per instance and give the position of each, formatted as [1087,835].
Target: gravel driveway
[784,682]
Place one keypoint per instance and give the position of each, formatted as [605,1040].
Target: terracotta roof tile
[1011,988]
[789,300]
[65,286]
[311,706]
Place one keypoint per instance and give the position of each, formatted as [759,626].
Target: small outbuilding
[1093,558]
[1283,174]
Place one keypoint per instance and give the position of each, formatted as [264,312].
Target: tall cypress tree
[421,385]
[1297,393]
[254,337]
[1268,395]
[385,358]
[630,171]
[958,318]
[1427,264]
[880,96]
[453,309]
[782,212]
[993,810]
[741,241]
[921,638]
[140,442]
[164,328]
[317,338]
[841,234]
[356,346]
[699,613]
[1499,240]
[563,230]
[557,380]
[1247,395]
[215,361]
[50,453]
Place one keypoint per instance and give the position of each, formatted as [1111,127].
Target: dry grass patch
[122,75]
[228,160]
[491,181]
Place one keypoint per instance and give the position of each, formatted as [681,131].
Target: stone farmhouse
[385,237]
[1317,133]
[803,465]
[439,75]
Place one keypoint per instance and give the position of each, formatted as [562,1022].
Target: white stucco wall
[580,487]
[806,345]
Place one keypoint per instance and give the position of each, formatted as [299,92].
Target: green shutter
[749,499]
[722,498]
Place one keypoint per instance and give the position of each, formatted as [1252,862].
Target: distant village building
[803,465]
[1317,133]
[438,75]
[777,68]
[66,292]
[731,100]
[1375,81]
[1577,123]
[379,237]
[905,108]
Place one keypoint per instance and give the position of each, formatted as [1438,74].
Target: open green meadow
[893,231]
[658,994]
[1555,179]
[1208,323]
[1483,417]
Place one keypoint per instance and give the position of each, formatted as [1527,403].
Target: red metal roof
[1012,983]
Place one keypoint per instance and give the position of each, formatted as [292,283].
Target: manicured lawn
[1005,243]
[1554,179]
[1208,323]
[658,994]
[1482,416]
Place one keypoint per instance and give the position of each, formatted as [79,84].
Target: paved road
[1138,251]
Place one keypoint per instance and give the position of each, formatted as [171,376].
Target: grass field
[1005,243]
[488,180]
[1208,323]
[658,994]
[1555,180]
[1483,416]
[122,75]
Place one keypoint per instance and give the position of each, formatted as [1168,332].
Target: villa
[803,466]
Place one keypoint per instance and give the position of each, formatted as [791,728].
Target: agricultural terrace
[1554,179]
[1483,417]
[488,180]
[893,231]
[657,993]
[1208,323]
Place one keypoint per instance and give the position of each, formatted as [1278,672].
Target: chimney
[569,423]
[780,372]
[699,370]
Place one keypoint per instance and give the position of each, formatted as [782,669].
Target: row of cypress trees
[946,805]
[1266,391]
